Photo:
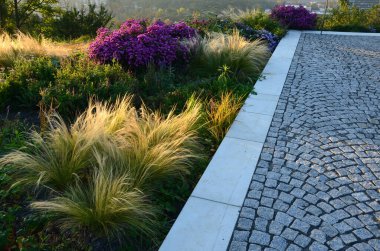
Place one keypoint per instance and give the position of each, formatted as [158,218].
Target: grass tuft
[108,206]
[221,115]
[100,170]
[243,58]
[25,45]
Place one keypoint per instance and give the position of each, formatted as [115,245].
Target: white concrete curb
[367,34]
[208,219]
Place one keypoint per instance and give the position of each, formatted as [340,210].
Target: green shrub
[23,84]
[74,23]
[79,78]
[243,59]
[351,18]
[12,134]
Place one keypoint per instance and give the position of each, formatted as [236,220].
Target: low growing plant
[257,20]
[243,58]
[79,79]
[21,88]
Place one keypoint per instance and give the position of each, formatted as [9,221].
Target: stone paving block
[289,234]
[302,240]
[238,246]
[260,238]
[318,235]
[278,243]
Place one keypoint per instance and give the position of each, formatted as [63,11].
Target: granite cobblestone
[317,182]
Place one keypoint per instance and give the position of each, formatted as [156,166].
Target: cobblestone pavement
[317,183]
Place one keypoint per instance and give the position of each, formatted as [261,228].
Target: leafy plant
[351,18]
[243,58]
[294,17]
[79,79]
[22,86]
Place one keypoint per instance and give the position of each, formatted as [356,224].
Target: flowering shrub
[251,34]
[294,17]
[136,44]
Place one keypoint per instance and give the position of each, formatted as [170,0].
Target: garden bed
[114,134]
[181,83]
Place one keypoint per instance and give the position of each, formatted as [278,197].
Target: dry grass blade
[154,146]
[22,45]
[221,114]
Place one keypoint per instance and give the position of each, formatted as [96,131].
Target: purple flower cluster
[136,44]
[269,37]
[251,34]
[294,17]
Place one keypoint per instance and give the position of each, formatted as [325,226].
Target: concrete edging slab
[209,216]
[367,34]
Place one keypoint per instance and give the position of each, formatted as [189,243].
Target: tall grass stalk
[245,59]
[221,114]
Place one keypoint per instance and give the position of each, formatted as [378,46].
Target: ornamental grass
[97,174]
[243,58]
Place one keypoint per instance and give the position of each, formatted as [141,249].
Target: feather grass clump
[243,58]
[98,173]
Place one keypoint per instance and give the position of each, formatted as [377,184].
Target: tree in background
[74,23]
[46,17]
[22,14]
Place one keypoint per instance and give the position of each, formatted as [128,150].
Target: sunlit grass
[109,205]
[97,173]
[243,58]
[22,45]
[221,114]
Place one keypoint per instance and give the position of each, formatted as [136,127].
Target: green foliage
[23,84]
[22,15]
[78,79]
[256,19]
[74,23]
[351,18]
[12,134]
[65,85]
[243,59]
